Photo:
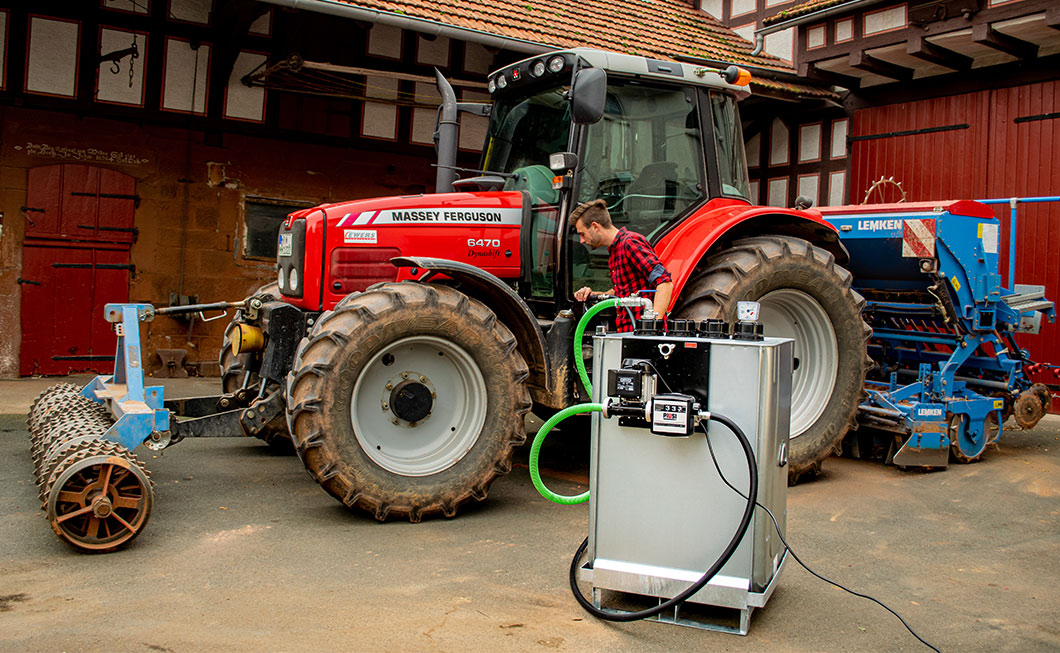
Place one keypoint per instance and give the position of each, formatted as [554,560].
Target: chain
[132,58]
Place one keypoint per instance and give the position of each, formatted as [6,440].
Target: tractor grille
[355,268]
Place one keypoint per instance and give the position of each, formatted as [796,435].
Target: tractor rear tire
[233,375]
[407,400]
[804,295]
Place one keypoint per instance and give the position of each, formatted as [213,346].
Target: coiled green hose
[579,361]
[535,449]
[546,428]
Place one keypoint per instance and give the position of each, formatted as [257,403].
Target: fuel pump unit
[659,513]
[667,528]
[663,503]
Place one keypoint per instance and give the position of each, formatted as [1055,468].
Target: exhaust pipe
[445,135]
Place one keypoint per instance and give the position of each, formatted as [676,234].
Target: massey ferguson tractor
[407,337]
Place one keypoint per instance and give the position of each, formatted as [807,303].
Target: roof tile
[663,29]
[803,9]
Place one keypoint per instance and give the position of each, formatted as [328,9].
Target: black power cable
[745,521]
[788,548]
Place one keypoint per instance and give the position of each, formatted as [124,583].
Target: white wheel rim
[458,413]
[789,313]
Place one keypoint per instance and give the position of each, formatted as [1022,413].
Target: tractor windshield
[523,132]
[645,159]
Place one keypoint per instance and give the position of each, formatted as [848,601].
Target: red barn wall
[993,144]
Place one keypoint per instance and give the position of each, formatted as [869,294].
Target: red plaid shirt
[634,267]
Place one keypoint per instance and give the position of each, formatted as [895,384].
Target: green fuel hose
[579,361]
[546,428]
[535,449]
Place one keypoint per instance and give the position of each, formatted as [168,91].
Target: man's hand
[663,292]
[581,294]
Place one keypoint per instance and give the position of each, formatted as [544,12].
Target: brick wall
[192,197]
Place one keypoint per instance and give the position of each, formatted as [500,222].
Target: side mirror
[587,95]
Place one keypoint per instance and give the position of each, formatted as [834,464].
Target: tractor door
[523,132]
[645,159]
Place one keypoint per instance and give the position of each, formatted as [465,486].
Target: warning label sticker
[990,237]
[918,238]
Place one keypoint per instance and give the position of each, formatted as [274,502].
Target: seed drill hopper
[948,371]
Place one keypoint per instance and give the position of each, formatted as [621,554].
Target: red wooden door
[75,259]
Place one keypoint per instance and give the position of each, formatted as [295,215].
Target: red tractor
[409,336]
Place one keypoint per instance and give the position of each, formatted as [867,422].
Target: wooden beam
[864,61]
[984,34]
[925,50]
[1052,17]
[812,71]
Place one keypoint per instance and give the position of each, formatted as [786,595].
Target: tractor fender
[501,299]
[716,226]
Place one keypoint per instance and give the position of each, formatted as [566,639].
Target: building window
[121,81]
[131,6]
[263,217]
[186,68]
[844,30]
[810,143]
[52,65]
[815,37]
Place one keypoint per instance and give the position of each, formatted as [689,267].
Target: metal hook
[211,319]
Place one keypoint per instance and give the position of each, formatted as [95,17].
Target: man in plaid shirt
[633,264]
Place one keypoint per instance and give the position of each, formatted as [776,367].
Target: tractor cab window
[523,132]
[728,137]
[645,159]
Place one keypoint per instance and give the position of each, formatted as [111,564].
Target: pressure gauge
[747,311]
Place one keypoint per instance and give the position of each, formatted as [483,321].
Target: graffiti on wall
[89,154]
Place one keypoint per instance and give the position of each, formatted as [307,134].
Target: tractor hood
[348,246]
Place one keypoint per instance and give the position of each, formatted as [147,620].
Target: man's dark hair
[590,212]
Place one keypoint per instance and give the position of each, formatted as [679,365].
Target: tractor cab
[655,139]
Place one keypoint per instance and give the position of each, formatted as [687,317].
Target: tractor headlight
[280,278]
[293,280]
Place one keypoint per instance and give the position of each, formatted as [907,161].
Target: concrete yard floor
[245,551]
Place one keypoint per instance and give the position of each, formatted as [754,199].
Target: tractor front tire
[407,400]
[234,376]
[804,295]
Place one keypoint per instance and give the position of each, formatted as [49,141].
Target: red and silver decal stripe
[918,238]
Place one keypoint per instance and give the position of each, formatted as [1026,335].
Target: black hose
[745,522]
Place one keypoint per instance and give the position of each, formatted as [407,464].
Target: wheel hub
[418,405]
[102,507]
[411,401]
[790,313]
[1028,409]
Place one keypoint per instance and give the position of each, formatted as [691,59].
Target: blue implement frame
[138,410]
[939,316]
